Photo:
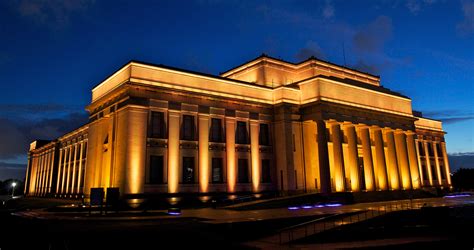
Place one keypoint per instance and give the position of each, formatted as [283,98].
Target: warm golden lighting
[203,153]
[319,138]
[136,145]
[173,152]
[255,154]
[230,150]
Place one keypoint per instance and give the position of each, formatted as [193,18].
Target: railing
[303,230]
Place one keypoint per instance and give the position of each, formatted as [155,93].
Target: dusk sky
[53,52]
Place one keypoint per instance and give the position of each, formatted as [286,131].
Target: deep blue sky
[53,52]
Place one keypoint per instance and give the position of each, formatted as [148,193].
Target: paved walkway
[218,216]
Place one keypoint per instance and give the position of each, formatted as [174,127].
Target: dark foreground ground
[442,227]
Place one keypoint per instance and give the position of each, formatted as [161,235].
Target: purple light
[457,195]
[307,207]
[174,213]
[319,206]
[293,208]
[334,205]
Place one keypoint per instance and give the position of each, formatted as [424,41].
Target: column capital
[348,124]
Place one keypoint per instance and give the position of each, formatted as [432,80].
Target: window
[438,150]
[425,174]
[84,153]
[217,170]
[421,148]
[442,171]
[243,174]
[216,130]
[156,169]
[434,174]
[188,169]
[430,149]
[157,125]
[266,177]
[188,128]
[263,136]
[241,133]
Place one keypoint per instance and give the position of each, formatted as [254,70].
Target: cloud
[364,66]
[12,171]
[466,26]
[328,10]
[14,140]
[415,6]
[21,124]
[461,160]
[372,37]
[311,49]
[450,116]
[55,13]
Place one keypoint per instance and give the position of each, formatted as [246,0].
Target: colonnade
[41,172]
[71,168]
[375,158]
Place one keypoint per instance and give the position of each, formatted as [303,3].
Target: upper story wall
[271,72]
[332,89]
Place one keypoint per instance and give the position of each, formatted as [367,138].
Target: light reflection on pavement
[226,215]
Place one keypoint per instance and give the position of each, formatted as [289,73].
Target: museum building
[266,125]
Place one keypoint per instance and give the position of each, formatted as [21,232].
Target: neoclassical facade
[266,125]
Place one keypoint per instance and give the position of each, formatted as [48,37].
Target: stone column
[413,159]
[367,156]
[46,172]
[353,156]
[418,156]
[173,150]
[79,172]
[73,178]
[204,152]
[428,163]
[26,189]
[255,155]
[135,152]
[58,177]
[392,164]
[438,168]
[41,177]
[230,153]
[51,168]
[68,177]
[338,157]
[34,173]
[403,162]
[311,155]
[323,157]
[446,163]
[380,168]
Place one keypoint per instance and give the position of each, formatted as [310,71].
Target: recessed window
[188,169]
[217,176]
[188,128]
[430,149]
[434,175]
[158,129]
[216,130]
[264,135]
[241,133]
[156,169]
[243,168]
[266,176]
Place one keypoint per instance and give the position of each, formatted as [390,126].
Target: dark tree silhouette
[463,179]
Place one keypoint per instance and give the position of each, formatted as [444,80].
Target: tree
[463,179]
